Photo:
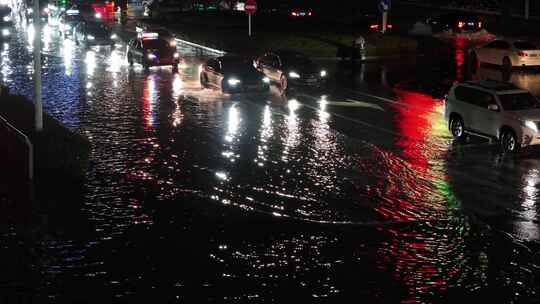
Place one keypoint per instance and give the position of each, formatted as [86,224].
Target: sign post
[384,7]
[250,7]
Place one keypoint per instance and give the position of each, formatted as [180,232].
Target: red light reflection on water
[149,99]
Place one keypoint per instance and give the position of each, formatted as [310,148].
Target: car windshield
[97,28]
[236,65]
[519,102]
[295,59]
[525,45]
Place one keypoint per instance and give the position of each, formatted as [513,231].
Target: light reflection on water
[309,171]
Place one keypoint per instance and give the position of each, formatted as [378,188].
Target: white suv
[496,109]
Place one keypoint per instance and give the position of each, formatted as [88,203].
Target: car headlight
[176,55]
[323,73]
[233,81]
[531,125]
[172,43]
[151,56]
[266,80]
[5,32]
[6,18]
[113,36]
[97,15]
[294,75]
[90,37]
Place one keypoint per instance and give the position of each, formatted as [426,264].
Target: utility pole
[38,107]
[527,9]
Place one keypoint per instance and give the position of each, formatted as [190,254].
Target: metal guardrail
[7,130]
[17,172]
[220,52]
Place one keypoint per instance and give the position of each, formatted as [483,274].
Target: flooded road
[352,191]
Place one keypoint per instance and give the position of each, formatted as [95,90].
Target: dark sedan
[93,33]
[233,74]
[290,68]
[150,49]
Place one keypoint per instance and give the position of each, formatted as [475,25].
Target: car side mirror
[493,107]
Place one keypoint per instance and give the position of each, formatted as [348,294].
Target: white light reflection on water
[5,62]
[46,38]
[177,90]
[90,61]
[115,62]
[527,227]
[30,31]
[67,55]
[233,122]
[293,136]
[265,134]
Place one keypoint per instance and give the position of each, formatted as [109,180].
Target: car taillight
[461,24]
[309,13]
[480,24]
[389,26]
[522,54]
[374,26]
[294,14]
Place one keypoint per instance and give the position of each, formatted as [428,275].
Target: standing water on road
[202,197]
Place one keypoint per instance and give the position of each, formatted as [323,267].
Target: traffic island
[229,32]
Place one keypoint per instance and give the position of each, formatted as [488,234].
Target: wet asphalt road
[352,191]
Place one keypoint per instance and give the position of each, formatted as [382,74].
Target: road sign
[250,7]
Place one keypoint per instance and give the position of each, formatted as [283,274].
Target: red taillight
[522,54]
[460,24]
[480,24]
[374,26]
[389,26]
[309,14]
[294,14]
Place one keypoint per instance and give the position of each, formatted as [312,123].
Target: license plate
[311,80]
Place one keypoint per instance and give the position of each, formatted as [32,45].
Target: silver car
[494,109]
[509,53]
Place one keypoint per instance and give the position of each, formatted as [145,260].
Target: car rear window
[525,45]
[519,102]
[156,43]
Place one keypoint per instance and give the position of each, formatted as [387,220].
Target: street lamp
[38,107]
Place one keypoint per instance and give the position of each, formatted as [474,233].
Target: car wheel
[506,64]
[283,83]
[457,128]
[204,81]
[508,141]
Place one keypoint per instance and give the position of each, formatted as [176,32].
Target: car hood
[303,68]
[533,114]
[245,75]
